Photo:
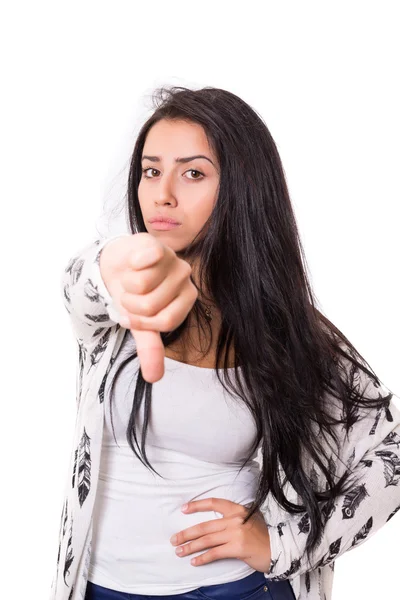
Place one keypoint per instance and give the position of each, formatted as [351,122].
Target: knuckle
[202,528]
[137,282]
[238,518]
[207,540]
[240,535]
[125,300]
[187,267]
[184,268]
[213,554]
[158,251]
[141,285]
[167,323]
[239,522]
[147,308]
[240,545]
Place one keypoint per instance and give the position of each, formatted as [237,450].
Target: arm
[86,296]
[373,450]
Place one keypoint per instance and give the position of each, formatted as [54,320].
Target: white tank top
[197,438]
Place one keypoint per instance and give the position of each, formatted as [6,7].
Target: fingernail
[184,507]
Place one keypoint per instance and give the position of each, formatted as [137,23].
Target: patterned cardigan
[372,449]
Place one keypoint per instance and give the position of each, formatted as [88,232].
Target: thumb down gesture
[152,290]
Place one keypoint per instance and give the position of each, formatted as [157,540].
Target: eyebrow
[185,159]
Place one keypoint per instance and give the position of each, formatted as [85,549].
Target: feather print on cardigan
[82,456]
[371,450]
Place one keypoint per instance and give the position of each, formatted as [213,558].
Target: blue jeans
[252,587]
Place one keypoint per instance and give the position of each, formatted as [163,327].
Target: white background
[76,80]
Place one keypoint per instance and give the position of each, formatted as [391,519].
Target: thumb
[151,354]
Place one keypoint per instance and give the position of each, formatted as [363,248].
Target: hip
[252,587]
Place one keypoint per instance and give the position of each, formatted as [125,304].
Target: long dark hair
[252,262]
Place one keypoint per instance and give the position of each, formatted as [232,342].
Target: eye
[148,169]
[144,171]
[194,171]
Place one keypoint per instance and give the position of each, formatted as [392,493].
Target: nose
[164,194]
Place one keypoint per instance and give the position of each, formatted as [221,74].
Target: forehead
[176,138]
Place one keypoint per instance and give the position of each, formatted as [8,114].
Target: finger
[203,543]
[149,304]
[151,354]
[146,257]
[221,505]
[199,530]
[227,550]
[171,316]
[142,279]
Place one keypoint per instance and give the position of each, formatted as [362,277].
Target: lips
[163,226]
[163,220]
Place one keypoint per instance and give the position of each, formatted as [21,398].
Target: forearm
[85,293]
[355,516]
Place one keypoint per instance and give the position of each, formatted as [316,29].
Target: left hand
[227,537]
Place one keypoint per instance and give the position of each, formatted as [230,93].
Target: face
[184,191]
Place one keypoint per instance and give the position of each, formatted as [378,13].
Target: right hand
[156,294]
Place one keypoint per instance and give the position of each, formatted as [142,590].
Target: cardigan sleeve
[85,295]
[373,454]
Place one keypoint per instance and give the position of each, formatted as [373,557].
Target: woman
[289,385]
